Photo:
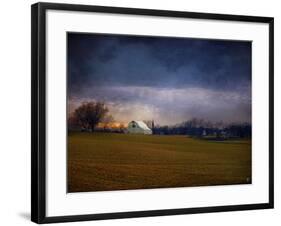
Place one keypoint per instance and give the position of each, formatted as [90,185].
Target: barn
[138,127]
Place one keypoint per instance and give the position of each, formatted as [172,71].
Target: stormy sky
[169,79]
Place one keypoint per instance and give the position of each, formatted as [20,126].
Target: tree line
[200,127]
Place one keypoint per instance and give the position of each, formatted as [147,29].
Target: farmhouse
[138,127]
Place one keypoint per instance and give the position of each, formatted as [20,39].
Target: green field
[108,161]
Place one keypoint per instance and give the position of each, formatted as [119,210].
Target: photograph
[145,112]
[157,112]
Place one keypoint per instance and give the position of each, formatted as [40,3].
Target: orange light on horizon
[112,125]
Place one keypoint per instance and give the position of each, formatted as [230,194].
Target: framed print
[139,112]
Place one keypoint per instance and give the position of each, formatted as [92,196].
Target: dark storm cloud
[206,78]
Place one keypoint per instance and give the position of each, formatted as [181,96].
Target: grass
[107,161]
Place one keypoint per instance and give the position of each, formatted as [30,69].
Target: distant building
[138,127]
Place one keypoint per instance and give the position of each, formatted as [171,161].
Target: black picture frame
[38,111]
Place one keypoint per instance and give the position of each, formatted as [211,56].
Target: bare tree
[89,114]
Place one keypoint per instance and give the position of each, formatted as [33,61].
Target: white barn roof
[142,125]
[138,127]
